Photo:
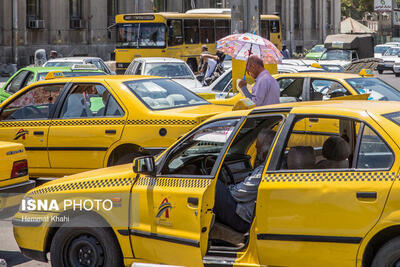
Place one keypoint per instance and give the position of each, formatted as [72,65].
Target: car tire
[92,245]
[388,255]
[380,71]
[397,74]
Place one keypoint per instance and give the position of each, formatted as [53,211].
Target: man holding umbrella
[266,89]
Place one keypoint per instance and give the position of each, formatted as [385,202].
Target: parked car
[325,198]
[390,57]
[175,69]
[14,179]
[82,123]
[70,61]
[315,52]
[379,50]
[25,76]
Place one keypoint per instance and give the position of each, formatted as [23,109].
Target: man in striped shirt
[235,204]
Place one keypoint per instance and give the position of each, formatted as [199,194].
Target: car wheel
[397,74]
[380,71]
[388,255]
[85,246]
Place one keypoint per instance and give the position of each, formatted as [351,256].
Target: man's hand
[242,83]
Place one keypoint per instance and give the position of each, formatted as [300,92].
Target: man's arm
[247,190]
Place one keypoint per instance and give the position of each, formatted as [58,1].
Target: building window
[313,15]
[217,4]
[278,6]
[160,5]
[33,10]
[296,14]
[75,13]
[112,11]
[188,4]
[328,12]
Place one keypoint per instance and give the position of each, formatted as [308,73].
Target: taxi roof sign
[54,75]
[316,65]
[84,67]
[366,73]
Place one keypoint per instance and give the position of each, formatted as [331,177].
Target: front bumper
[396,68]
[385,66]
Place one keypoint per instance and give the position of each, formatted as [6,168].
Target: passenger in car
[234,205]
[301,157]
[336,151]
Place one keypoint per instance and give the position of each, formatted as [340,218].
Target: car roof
[159,59]
[65,69]
[101,78]
[72,59]
[326,75]
[333,107]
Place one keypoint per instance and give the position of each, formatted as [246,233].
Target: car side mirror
[144,165]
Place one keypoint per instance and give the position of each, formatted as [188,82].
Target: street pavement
[8,247]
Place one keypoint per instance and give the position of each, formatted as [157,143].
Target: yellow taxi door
[319,214]
[87,123]
[26,119]
[172,211]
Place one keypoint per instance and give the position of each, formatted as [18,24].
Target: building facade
[82,27]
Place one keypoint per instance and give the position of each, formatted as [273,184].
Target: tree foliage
[356,8]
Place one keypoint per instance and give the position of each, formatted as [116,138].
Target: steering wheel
[226,174]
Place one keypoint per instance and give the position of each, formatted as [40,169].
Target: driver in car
[235,204]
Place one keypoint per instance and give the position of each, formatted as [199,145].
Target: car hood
[188,83]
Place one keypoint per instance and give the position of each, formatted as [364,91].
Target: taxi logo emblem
[164,208]
[21,134]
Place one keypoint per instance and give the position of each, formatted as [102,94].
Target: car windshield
[61,63]
[381,49]
[141,35]
[42,75]
[317,49]
[377,89]
[393,51]
[171,70]
[337,55]
[158,94]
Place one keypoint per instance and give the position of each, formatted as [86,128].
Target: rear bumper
[385,66]
[20,188]
[10,197]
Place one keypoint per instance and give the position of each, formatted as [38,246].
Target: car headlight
[24,202]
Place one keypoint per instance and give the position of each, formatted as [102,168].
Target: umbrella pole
[247,62]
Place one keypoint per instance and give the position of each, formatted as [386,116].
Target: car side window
[16,84]
[197,154]
[30,79]
[37,103]
[320,143]
[138,70]
[322,89]
[220,86]
[291,89]
[374,152]
[90,100]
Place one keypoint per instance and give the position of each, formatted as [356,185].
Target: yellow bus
[178,35]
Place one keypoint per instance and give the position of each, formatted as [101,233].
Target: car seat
[336,151]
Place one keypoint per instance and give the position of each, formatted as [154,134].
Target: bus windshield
[141,35]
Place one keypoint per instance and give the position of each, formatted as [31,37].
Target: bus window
[175,36]
[207,31]
[265,29]
[128,35]
[152,35]
[191,31]
[222,28]
[274,26]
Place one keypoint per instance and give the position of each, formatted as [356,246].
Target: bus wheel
[92,245]
[192,62]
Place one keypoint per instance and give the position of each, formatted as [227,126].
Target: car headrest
[301,157]
[336,148]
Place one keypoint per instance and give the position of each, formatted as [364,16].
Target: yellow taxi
[332,203]
[70,125]
[14,180]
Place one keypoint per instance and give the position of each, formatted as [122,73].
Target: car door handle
[193,202]
[111,131]
[368,195]
[313,119]
[38,133]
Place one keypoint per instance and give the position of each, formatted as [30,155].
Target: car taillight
[20,168]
